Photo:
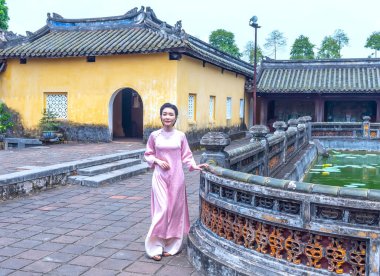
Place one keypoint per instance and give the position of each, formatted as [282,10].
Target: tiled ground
[75,230]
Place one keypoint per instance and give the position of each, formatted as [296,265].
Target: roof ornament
[178,27]
[133,11]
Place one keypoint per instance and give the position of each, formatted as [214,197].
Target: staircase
[109,169]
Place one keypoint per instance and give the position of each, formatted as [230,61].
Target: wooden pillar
[319,109]
[263,111]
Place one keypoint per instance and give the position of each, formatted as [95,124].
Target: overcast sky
[312,18]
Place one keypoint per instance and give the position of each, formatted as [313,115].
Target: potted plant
[49,126]
[5,121]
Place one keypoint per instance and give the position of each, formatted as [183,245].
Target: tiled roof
[321,76]
[138,31]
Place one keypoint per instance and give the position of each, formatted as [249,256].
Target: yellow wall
[89,86]
[207,81]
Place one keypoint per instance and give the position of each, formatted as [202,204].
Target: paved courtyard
[75,230]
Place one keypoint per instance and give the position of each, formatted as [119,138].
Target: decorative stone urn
[280,127]
[215,142]
[258,132]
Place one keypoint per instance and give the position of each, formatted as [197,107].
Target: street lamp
[253,23]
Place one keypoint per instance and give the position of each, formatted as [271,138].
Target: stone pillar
[293,125]
[259,133]
[280,127]
[377,111]
[366,126]
[308,126]
[215,142]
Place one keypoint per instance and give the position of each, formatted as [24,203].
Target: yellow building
[117,72]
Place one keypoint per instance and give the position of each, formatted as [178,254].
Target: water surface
[346,169]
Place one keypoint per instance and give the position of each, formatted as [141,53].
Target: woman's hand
[163,164]
[200,167]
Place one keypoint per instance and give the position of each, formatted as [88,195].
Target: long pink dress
[169,210]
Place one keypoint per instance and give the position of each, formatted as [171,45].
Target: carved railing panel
[298,246]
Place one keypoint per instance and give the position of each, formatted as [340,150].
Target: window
[229,108]
[191,107]
[57,104]
[241,110]
[212,108]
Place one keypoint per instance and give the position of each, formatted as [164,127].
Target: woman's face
[168,117]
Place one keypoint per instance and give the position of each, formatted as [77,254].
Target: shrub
[5,119]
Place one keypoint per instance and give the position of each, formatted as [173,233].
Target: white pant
[156,246]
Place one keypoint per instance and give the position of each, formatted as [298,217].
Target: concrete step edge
[107,167]
[114,176]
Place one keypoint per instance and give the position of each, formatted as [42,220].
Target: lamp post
[253,23]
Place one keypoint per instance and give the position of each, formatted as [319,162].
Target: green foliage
[5,119]
[224,41]
[49,121]
[341,38]
[4,18]
[329,48]
[373,42]
[302,48]
[249,52]
[275,41]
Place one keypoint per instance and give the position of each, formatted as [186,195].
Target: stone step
[108,177]
[103,168]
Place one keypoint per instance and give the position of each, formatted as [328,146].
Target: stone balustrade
[253,224]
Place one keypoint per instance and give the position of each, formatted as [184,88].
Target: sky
[312,18]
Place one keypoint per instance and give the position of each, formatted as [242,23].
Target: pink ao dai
[169,210]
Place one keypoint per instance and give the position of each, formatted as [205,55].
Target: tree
[329,48]
[4,18]
[249,52]
[302,48]
[373,42]
[224,41]
[341,38]
[275,41]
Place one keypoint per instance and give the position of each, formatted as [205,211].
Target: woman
[166,150]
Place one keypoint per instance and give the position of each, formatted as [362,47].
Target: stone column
[259,133]
[215,142]
[280,127]
[308,126]
[366,126]
[293,125]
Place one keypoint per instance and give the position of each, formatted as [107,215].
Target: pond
[346,169]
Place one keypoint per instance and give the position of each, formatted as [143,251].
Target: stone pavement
[76,230]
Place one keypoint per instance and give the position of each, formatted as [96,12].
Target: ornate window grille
[229,108]
[241,111]
[57,104]
[191,107]
[212,108]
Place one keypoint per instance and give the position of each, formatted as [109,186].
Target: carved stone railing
[364,130]
[257,225]
[266,153]
[291,227]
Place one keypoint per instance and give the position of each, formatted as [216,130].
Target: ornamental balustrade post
[366,126]
[302,124]
[280,127]
[293,125]
[215,142]
[259,134]
[308,127]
